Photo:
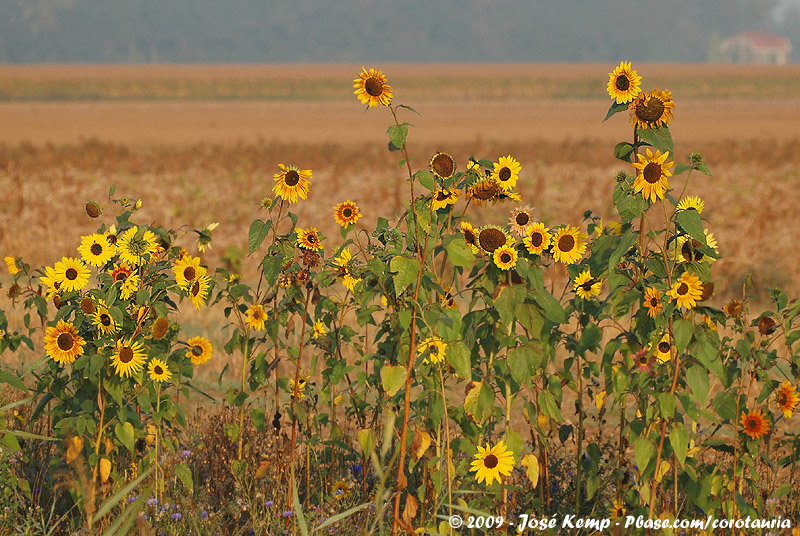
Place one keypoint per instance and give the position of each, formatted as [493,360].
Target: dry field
[200,144]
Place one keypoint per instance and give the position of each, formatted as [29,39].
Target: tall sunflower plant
[115,363]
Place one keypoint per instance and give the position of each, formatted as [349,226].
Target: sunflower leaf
[458,357]
[459,253]
[257,234]
[552,309]
[409,108]
[426,179]
[697,378]
[614,109]
[397,136]
[393,378]
[405,270]
[623,151]
[690,221]
[660,138]
[124,433]
[679,441]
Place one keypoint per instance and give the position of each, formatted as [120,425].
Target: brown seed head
[92,209]
[160,327]
[87,306]
[766,325]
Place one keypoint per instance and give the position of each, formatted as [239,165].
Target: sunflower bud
[620,176]
[87,306]
[696,159]
[160,328]
[137,205]
[93,209]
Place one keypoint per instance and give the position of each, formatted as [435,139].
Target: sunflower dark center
[643,359]
[71,274]
[504,174]
[441,196]
[469,237]
[158,370]
[505,257]
[96,249]
[291,178]
[663,347]
[522,218]
[490,461]
[257,314]
[782,399]
[485,190]
[566,243]
[652,172]
[689,250]
[65,342]
[653,302]
[347,212]
[537,239]
[126,354]
[120,276]
[650,110]
[112,239]
[105,319]
[623,83]
[443,165]
[491,239]
[683,289]
[196,288]
[752,423]
[197,350]
[189,272]
[373,86]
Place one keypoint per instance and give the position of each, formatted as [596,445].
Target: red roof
[764,39]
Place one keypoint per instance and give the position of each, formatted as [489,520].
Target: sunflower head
[568,245]
[733,309]
[755,424]
[537,238]
[470,236]
[586,286]
[158,371]
[691,202]
[652,110]
[654,170]
[652,301]
[492,463]
[346,214]
[505,257]
[506,172]
[624,84]
[483,191]
[371,88]
[200,350]
[309,239]
[63,343]
[292,183]
[432,350]
[686,291]
[491,237]
[521,218]
[786,398]
[443,165]
[444,197]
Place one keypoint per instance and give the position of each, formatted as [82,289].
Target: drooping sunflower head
[432,350]
[624,84]
[733,309]
[652,301]
[470,236]
[128,359]
[443,165]
[521,218]
[96,250]
[158,371]
[786,399]
[63,343]
[346,214]
[586,286]
[483,191]
[505,257]
[493,463]
[11,262]
[160,327]
[444,197]
[654,170]
[691,202]
[766,325]
[537,238]
[568,245]
[309,239]
[200,350]
[491,237]
[755,424]
[372,89]
[686,291]
[652,110]
[71,274]
[256,317]
[506,172]
[292,183]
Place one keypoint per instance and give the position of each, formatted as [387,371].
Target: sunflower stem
[296,390]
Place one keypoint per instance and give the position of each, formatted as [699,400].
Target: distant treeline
[277,31]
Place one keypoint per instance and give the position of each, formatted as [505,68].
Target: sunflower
[128,359]
[300,388]
[786,398]
[186,270]
[537,238]
[319,329]
[96,250]
[343,261]
[586,286]
[137,247]
[346,214]
[198,291]
[568,245]
[291,183]
[483,191]
[432,349]
[691,202]
[653,173]
[491,463]
[309,239]
[62,343]
[686,290]
[102,319]
[509,195]
[372,89]
[521,218]
[470,237]
[256,317]
[652,300]
[652,110]
[755,424]
[111,235]
[71,274]
[11,262]
[664,349]
[624,84]
[340,490]
[645,362]
[443,165]
[129,286]
[505,257]
[733,308]
[491,237]
[687,249]
[50,281]
[616,510]
[506,172]
[447,300]
[444,197]
[200,348]
[158,371]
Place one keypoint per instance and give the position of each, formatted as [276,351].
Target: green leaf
[697,378]
[679,441]
[660,138]
[406,270]
[259,418]
[644,451]
[185,474]
[458,357]
[725,406]
[271,265]
[615,109]
[548,406]
[257,234]
[397,135]
[591,336]
[666,403]
[458,252]
[393,378]
[623,151]
[552,308]
[518,364]
[124,433]
[13,380]
[682,329]
[782,491]
[426,179]
[508,300]
[690,221]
